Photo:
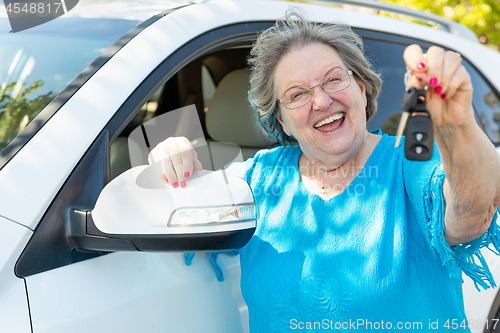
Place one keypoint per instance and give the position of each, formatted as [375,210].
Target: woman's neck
[335,172]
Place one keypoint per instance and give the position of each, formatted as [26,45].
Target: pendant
[323,191]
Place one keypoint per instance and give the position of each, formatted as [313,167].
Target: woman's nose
[320,99]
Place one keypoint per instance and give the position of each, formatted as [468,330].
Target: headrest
[230,118]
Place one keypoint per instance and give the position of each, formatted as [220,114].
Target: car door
[14,309]
[70,290]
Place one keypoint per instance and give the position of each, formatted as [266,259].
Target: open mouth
[331,123]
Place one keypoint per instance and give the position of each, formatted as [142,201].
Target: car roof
[138,10]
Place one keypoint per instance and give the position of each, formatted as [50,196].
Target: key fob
[419,138]
[419,128]
[409,99]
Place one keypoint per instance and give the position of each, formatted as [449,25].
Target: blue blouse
[372,257]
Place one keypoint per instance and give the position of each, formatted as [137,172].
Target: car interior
[217,84]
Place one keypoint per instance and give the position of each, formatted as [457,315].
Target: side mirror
[137,212]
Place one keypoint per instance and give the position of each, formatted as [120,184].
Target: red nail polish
[433,82]
[175,185]
[419,79]
[166,180]
[438,89]
[421,65]
[183,184]
[443,96]
[186,174]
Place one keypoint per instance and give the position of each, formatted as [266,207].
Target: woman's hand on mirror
[178,160]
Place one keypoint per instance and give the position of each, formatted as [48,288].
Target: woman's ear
[283,124]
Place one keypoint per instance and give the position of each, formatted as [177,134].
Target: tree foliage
[18,110]
[481,16]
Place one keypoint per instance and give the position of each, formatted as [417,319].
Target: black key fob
[419,138]
[419,129]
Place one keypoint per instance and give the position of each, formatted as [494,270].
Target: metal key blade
[401,127]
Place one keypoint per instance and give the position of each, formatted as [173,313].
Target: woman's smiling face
[314,125]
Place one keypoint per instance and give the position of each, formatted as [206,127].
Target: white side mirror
[138,211]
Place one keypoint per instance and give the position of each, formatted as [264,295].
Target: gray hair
[292,32]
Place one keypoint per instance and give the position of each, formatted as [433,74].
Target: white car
[74,90]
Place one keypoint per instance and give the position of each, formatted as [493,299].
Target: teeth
[329,120]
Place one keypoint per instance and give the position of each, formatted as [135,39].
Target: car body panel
[14,311]
[478,303]
[138,292]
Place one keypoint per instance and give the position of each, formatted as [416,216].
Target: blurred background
[481,16]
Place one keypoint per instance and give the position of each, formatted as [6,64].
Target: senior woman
[352,235]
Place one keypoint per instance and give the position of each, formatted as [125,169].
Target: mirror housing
[138,211]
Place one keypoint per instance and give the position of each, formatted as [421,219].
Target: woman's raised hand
[449,92]
[178,160]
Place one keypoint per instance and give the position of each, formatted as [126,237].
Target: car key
[420,133]
[409,99]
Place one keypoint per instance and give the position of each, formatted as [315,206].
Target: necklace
[324,189]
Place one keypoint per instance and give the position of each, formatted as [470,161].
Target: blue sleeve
[467,256]
[243,169]
[424,185]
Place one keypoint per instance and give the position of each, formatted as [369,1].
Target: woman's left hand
[471,164]
[449,92]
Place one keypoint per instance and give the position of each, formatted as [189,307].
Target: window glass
[387,59]
[38,63]
[208,86]
[486,103]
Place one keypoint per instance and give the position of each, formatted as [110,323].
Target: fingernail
[186,174]
[183,184]
[433,82]
[443,96]
[175,185]
[421,65]
[438,89]
[419,79]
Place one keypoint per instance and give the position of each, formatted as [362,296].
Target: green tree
[481,16]
[17,111]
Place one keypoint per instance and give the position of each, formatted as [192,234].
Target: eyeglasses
[337,80]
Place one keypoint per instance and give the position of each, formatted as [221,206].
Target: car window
[208,86]
[37,64]
[486,104]
[387,59]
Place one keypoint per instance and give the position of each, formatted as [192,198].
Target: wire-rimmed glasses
[336,80]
